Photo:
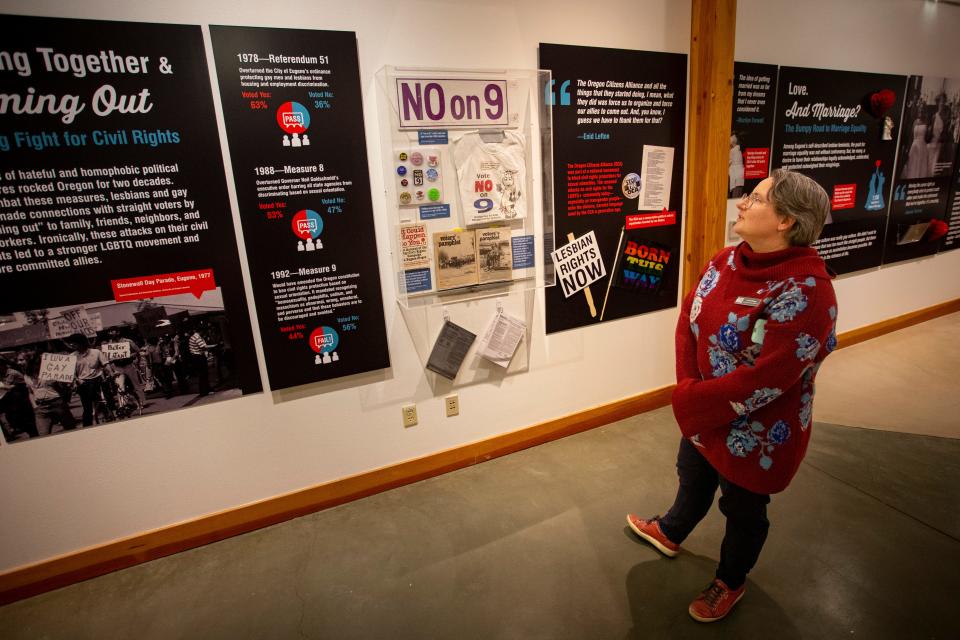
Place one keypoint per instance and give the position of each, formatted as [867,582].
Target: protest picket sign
[79,321]
[59,367]
[116,350]
[60,327]
[578,264]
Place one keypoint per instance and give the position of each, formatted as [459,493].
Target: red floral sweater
[749,342]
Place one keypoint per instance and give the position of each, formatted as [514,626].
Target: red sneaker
[715,602]
[650,531]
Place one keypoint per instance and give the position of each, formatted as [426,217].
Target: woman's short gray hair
[800,197]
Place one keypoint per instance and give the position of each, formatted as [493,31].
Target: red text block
[755,162]
[164,284]
[639,220]
[844,196]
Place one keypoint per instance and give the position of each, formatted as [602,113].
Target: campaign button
[434,195]
[401,170]
[416,158]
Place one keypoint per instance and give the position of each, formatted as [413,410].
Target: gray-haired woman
[749,342]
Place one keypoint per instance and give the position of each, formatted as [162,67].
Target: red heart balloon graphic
[936,230]
[881,101]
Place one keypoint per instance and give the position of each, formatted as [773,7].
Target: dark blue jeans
[746,514]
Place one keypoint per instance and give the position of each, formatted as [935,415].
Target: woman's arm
[686,342]
[686,335]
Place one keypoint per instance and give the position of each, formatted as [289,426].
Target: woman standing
[749,342]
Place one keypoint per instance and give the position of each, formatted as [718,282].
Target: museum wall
[887,36]
[91,486]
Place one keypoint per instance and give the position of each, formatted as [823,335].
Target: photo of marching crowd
[73,367]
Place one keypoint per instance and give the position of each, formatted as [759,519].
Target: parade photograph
[74,367]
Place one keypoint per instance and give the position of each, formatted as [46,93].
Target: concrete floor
[864,544]
[905,381]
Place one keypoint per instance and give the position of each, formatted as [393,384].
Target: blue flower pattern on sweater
[787,305]
[831,342]
[708,282]
[741,442]
[760,397]
[727,351]
[807,347]
[729,338]
[806,410]
[745,436]
[722,362]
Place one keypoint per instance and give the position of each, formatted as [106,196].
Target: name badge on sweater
[748,302]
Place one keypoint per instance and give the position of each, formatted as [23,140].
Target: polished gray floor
[864,544]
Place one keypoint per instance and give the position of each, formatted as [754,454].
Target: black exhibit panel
[618,155]
[751,129]
[831,126]
[292,105]
[114,212]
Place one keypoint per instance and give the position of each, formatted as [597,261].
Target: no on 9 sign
[425,103]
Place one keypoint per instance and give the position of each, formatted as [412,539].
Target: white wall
[87,487]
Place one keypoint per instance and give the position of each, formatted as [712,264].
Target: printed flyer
[618,140]
[925,168]
[292,104]
[834,127]
[118,260]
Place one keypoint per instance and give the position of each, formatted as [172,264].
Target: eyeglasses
[749,199]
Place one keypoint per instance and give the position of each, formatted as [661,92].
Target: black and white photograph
[495,255]
[919,201]
[931,127]
[75,367]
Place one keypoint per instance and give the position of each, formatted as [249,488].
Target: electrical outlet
[453,405]
[409,412]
